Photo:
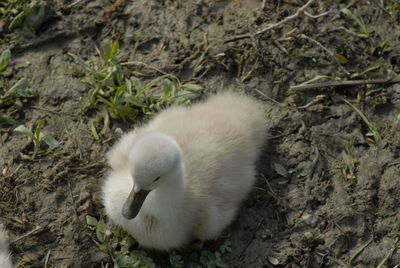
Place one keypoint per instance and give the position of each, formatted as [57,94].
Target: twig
[269,185]
[335,260]
[327,51]
[344,83]
[47,259]
[263,4]
[88,168]
[393,163]
[390,253]
[286,35]
[268,98]
[314,101]
[381,7]
[94,241]
[299,12]
[74,3]
[140,63]
[316,16]
[291,17]
[13,172]
[270,192]
[72,198]
[252,237]
[37,229]
[340,262]
[279,45]
[98,50]
[349,32]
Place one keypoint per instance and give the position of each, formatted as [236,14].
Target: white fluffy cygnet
[5,258]
[184,174]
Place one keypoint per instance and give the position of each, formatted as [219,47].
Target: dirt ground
[310,208]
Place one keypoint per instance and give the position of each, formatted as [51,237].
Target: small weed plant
[24,16]
[38,139]
[17,95]
[214,259]
[364,28]
[118,244]
[5,57]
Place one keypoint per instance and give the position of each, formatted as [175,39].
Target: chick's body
[5,258]
[220,140]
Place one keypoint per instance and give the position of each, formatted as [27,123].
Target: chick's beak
[133,204]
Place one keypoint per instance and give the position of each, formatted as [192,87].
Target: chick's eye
[156,179]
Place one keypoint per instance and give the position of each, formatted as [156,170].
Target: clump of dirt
[328,192]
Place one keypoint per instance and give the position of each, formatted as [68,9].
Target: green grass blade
[150,85]
[17,21]
[38,129]
[23,130]
[51,142]
[5,59]
[21,88]
[372,127]
[81,63]
[359,251]
[7,119]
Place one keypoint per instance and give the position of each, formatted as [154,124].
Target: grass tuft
[365,29]
[116,96]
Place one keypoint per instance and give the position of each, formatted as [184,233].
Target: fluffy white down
[5,259]
[220,141]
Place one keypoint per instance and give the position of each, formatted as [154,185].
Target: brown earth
[303,212]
